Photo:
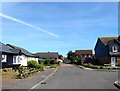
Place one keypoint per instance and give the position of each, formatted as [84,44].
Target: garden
[105,67]
[20,72]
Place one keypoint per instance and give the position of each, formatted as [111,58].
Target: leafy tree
[69,54]
[60,57]
[73,59]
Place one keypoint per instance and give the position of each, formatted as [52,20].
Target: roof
[4,48]
[47,54]
[107,40]
[22,50]
[83,51]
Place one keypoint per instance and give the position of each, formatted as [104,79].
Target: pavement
[117,84]
[86,68]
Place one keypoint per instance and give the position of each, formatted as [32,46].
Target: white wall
[22,59]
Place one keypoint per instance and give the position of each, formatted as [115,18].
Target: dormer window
[114,49]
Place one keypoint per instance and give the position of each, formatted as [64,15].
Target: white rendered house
[22,57]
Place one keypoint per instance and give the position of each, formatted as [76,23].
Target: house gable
[100,49]
[112,44]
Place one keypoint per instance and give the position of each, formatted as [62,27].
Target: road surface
[72,77]
[68,77]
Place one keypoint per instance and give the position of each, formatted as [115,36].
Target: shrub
[40,66]
[53,66]
[5,70]
[47,61]
[41,61]
[20,68]
[98,67]
[101,67]
[118,65]
[32,63]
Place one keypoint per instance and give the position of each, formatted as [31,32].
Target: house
[23,55]
[6,56]
[84,55]
[107,50]
[67,61]
[53,56]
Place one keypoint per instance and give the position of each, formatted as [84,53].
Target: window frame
[114,49]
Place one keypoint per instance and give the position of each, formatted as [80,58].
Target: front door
[113,61]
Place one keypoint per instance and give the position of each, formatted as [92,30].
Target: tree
[60,57]
[69,54]
[73,59]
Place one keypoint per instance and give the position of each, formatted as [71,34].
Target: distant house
[48,55]
[84,55]
[107,50]
[67,61]
[6,56]
[23,55]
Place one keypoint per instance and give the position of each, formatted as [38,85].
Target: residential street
[69,77]
[72,77]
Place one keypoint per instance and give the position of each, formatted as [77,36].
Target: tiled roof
[6,49]
[83,51]
[22,50]
[107,40]
[47,54]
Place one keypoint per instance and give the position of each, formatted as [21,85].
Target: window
[14,59]
[4,58]
[114,49]
[89,55]
[19,59]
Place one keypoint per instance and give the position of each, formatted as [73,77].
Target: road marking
[44,79]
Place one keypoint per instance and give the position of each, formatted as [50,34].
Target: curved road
[72,77]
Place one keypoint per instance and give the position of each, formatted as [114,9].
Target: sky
[58,26]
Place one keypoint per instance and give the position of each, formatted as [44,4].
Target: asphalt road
[28,83]
[72,77]
[68,77]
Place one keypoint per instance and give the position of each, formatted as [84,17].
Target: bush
[47,61]
[32,63]
[118,65]
[101,67]
[20,68]
[53,66]
[40,66]
[41,61]
[5,70]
